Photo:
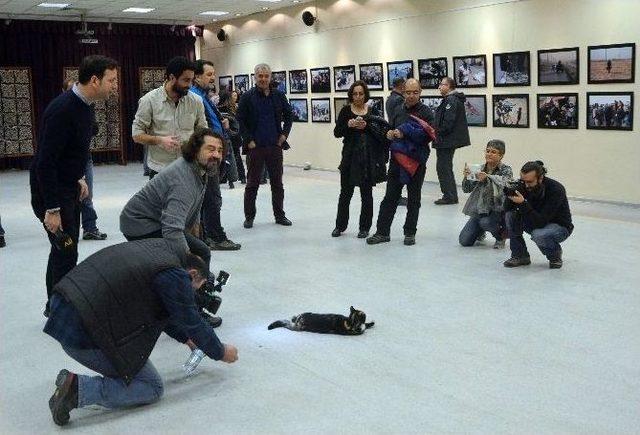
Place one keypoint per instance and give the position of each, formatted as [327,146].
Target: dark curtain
[49,46]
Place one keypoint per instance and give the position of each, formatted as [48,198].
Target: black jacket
[451,122]
[548,205]
[365,153]
[247,114]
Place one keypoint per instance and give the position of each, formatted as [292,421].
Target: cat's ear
[352,309]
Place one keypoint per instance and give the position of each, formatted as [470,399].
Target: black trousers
[211,207]
[392,195]
[366,209]
[257,159]
[60,261]
[444,168]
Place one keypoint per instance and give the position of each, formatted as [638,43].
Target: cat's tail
[280,324]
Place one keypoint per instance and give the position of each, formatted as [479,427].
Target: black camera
[205,295]
[512,187]
[63,241]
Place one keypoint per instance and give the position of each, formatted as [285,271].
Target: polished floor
[460,344]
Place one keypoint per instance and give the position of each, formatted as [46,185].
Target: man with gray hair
[265,123]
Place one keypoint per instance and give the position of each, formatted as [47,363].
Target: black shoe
[403,201]
[65,398]
[214,321]
[409,240]
[93,235]
[2,242]
[225,245]
[444,201]
[243,181]
[248,223]
[555,262]
[517,261]
[362,234]
[336,232]
[284,221]
[378,238]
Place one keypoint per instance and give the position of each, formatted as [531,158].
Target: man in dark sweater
[542,210]
[57,171]
[265,118]
[110,321]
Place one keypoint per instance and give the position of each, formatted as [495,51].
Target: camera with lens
[206,297]
[512,187]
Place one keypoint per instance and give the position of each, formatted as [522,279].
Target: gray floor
[461,344]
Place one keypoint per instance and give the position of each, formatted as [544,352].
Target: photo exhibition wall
[566,96]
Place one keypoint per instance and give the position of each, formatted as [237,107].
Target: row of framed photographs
[605,110]
[606,64]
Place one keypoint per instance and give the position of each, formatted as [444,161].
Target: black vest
[111,290]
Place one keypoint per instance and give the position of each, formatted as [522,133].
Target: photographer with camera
[538,205]
[110,322]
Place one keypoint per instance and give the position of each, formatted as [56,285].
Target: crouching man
[108,312]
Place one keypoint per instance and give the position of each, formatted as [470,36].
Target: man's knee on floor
[466,240]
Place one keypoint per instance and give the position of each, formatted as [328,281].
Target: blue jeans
[548,238]
[477,225]
[110,390]
[87,211]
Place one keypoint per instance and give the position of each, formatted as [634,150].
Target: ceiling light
[139,10]
[54,5]
[265,8]
[238,14]
[215,13]
[296,1]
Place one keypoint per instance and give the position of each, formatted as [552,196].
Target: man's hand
[281,139]
[230,354]
[394,134]
[169,143]
[191,344]
[251,145]
[53,222]
[517,198]
[481,176]
[225,123]
[466,171]
[83,190]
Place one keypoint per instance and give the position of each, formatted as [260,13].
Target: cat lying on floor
[355,324]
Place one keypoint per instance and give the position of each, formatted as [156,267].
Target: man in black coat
[265,118]
[452,133]
[57,171]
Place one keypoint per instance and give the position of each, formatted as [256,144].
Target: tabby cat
[354,324]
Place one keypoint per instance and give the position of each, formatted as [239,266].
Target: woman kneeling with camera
[485,206]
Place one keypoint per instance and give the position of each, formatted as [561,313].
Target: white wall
[592,164]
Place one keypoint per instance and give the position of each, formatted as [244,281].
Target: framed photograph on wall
[299,109]
[320,110]
[279,79]
[475,107]
[225,83]
[339,103]
[611,63]
[557,111]
[431,101]
[320,80]
[511,110]
[560,66]
[376,106]
[431,72]
[241,83]
[373,75]
[512,69]
[343,77]
[298,83]
[610,111]
[401,68]
[470,71]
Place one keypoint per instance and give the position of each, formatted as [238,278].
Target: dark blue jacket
[248,114]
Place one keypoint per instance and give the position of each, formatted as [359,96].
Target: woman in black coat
[365,153]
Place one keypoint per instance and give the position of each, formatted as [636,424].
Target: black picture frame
[324,104]
[279,78]
[225,83]
[517,71]
[376,106]
[373,75]
[299,109]
[395,69]
[558,111]
[320,80]
[559,66]
[476,113]
[343,77]
[338,104]
[431,101]
[241,83]
[507,119]
[298,81]
[592,97]
[600,65]
[476,71]
[431,71]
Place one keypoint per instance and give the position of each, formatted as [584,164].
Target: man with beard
[539,207]
[168,115]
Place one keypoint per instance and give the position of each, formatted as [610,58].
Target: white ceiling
[166,11]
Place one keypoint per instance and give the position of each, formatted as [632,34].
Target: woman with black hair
[228,105]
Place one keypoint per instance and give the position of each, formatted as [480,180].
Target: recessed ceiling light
[54,5]
[139,10]
[265,8]
[215,13]
[238,14]
[296,1]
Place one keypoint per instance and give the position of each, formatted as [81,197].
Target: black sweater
[549,205]
[63,148]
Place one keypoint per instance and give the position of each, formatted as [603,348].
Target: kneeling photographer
[108,312]
[537,205]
